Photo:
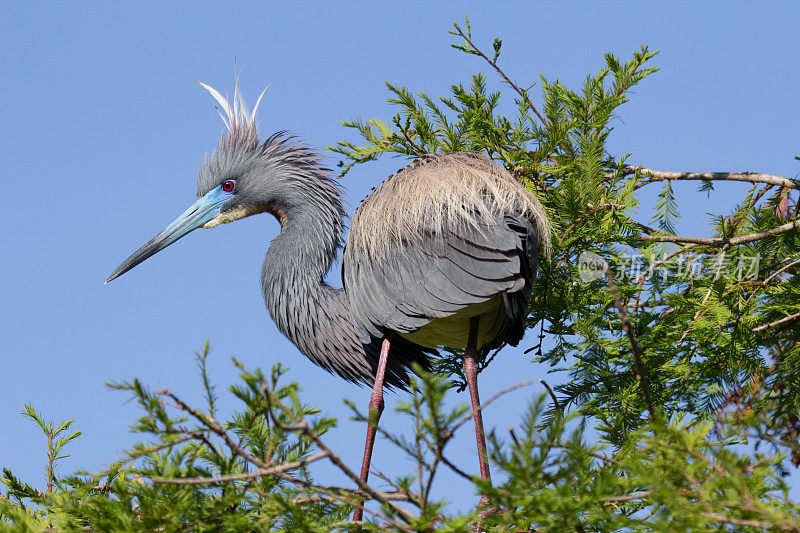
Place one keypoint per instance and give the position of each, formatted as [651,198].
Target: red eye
[228,185]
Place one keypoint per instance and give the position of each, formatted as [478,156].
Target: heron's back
[446,238]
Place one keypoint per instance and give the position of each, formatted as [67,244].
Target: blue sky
[104,130]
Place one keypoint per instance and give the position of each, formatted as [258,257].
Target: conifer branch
[779,272]
[721,241]
[662,175]
[641,373]
[477,51]
[302,426]
[762,524]
[787,319]
[393,496]
[216,428]
[251,468]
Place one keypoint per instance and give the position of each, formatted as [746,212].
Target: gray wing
[330,340]
[434,275]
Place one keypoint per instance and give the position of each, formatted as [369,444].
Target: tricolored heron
[442,253]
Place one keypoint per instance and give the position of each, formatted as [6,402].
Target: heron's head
[238,180]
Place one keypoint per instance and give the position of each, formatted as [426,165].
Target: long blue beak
[202,211]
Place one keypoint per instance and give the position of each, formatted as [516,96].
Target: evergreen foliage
[680,352]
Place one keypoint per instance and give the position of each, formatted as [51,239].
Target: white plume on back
[437,192]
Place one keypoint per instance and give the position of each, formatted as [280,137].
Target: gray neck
[292,276]
[314,316]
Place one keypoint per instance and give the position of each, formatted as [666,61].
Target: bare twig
[437,458]
[552,394]
[503,392]
[338,494]
[751,177]
[719,241]
[396,496]
[454,468]
[779,272]
[629,497]
[240,477]
[783,320]
[770,526]
[640,305]
[600,456]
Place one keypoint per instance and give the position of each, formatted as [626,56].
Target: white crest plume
[236,115]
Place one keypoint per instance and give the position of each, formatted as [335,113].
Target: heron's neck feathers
[312,222]
[310,210]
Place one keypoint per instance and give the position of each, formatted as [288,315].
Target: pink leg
[471,373]
[375,410]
